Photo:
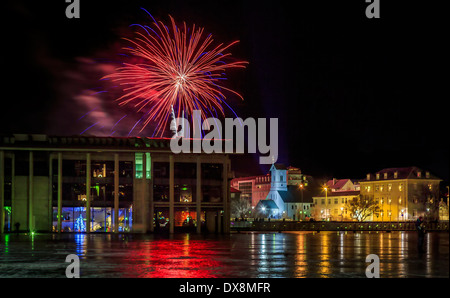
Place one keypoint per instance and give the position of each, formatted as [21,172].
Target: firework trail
[177,67]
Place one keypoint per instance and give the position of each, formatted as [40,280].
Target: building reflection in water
[81,244]
[301,266]
[271,256]
[256,255]
[174,258]
[325,254]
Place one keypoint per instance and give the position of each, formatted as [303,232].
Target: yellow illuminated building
[403,194]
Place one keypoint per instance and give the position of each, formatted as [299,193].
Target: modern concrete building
[87,183]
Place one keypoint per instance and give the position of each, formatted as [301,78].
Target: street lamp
[342,214]
[301,192]
[448,196]
[326,202]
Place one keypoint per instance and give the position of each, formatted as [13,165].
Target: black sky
[353,95]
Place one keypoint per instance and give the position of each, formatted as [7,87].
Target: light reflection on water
[253,255]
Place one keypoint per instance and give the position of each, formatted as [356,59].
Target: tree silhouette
[362,207]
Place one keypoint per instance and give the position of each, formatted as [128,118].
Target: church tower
[279,177]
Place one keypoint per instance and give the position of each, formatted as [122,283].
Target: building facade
[333,206]
[256,188]
[403,193]
[290,199]
[331,203]
[253,188]
[110,184]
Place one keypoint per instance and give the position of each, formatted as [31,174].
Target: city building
[87,183]
[333,205]
[294,176]
[403,193]
[290,200]
[331,202]
[337,185]
[254,188]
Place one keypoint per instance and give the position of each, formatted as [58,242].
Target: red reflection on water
[174,259]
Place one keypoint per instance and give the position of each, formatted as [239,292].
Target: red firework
[175,68]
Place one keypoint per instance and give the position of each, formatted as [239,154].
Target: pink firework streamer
[174,68]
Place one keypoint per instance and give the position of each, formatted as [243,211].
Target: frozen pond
[247,255]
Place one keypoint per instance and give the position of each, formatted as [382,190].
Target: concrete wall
[19,204]
[140,205]
[40,204]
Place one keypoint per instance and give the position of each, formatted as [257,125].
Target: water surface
[247,255]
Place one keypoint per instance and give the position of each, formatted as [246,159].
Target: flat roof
[84,143]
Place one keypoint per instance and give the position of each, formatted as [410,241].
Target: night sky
[352,95]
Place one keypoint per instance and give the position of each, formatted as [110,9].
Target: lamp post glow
[326,203]
[301,191]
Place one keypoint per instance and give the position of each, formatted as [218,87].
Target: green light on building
[138,163]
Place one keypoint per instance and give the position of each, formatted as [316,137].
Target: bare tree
[240,207]
[362,207]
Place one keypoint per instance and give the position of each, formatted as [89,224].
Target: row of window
[344,211]
[385,175]
[380,187]
[344,201]
[263,179]
[335,200]
[305,207]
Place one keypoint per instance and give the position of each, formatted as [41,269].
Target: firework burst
[177,67]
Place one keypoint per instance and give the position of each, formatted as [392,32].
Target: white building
[290,199]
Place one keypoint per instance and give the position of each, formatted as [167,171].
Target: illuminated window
[381,187]
[368,188]
[395,175]
[400,187]
[430,187]
[400,200]
[389,187]
[377,187]
[138,162]
[385,175]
